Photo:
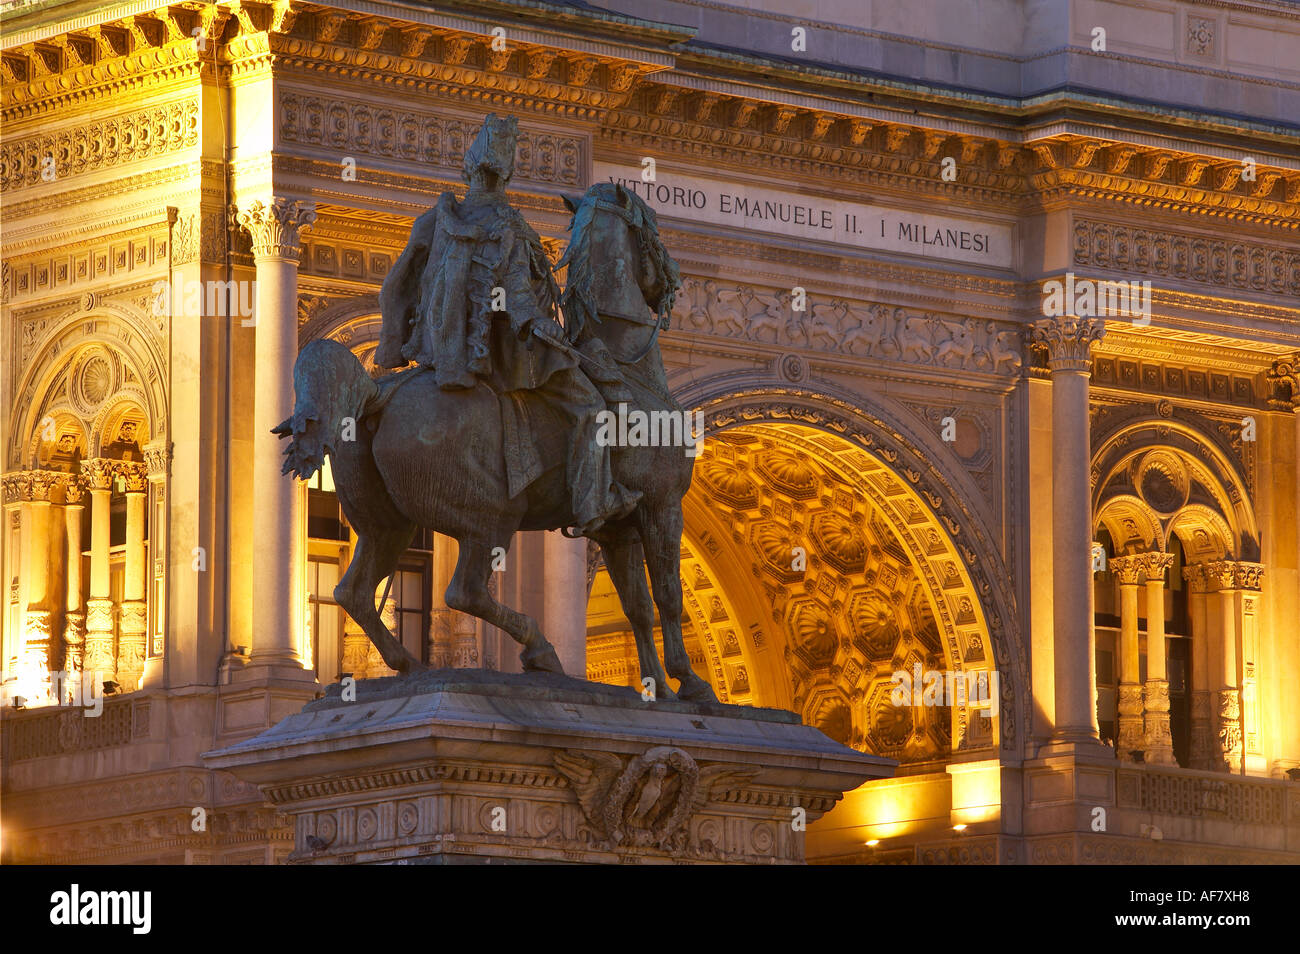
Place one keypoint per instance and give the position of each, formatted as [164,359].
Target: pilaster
[1068,341]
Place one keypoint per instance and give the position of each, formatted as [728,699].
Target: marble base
[470,766]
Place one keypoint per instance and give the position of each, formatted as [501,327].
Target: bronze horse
[427,457]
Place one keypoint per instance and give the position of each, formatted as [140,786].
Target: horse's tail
[332,392]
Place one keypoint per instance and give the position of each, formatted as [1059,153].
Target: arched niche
[1132,525]
[1180,478]
[88,363]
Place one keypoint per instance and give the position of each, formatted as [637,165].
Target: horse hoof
[541,657]
[405,665]
[695,689]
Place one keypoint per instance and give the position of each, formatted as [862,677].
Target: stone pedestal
[471,766]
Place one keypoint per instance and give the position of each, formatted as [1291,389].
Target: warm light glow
[873,842]
[976,792]
[959,828]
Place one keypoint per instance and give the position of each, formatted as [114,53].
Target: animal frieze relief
[850,328]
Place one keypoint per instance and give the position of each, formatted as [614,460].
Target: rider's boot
[619,502]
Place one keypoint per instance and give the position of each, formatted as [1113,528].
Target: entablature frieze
[128,253]
[549,157]
[614,83]
[1243,264]
[55,155]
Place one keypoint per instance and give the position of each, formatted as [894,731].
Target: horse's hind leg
[468,592]
[626,565]
[376,556]
[661,536]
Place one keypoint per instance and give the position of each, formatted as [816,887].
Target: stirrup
[575,535]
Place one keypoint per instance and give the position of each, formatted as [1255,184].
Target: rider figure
[471,294]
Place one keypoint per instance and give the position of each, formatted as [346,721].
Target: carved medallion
[649,801]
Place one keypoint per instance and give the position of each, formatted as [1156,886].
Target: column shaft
[134,624]
[279,557]
[565,607]
[98,658]
[1068,340]
[34,660]
[1075,643]
[1129,737]
[74,626]
[1202,748]
[1157,736]
[1229,711]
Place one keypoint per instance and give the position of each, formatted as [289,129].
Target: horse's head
[618,267]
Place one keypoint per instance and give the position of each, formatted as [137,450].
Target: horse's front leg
[661,541]
[626,566]
[468,592]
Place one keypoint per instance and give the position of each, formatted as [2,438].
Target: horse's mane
[577,301]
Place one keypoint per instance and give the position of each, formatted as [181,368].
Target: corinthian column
[1202,746]
[1159,742]
[1228,654]
[98,658]
[1223,668]
[74,625]
[1128,571]
[278,558]
[34,663]
[1068,341]
[134,625]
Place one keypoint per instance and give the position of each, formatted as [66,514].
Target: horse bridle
[634,222]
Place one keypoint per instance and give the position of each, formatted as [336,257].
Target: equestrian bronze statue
[494,427]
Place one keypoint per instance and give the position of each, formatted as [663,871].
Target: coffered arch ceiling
[812,572]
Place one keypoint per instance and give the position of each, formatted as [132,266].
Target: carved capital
[1284,383]
[156,458]
[1248,576]
[97,473]
[1234,575]
[1068,340]
[135,476]
[17,486]
[1127,569]
[1155,564]
[1220,575]
[276,227]
[41,484]
[74,490]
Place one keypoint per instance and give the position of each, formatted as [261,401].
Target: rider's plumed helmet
[493,149]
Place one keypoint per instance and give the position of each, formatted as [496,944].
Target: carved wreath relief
[649,801]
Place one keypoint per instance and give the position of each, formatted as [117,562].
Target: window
[324,618]
[410,593]
[328,530]
[325,521]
